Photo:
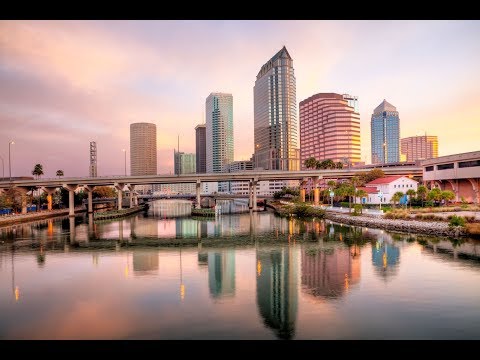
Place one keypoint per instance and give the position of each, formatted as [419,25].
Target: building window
[472,163]
[445,166]
[429,168]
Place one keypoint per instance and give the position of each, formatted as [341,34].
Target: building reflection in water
[221,273]
[277,296]
[329,272]
[385,255]
[145,262]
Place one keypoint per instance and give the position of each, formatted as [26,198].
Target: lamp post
[3,168]
[331,196]
[11,142]
[125,153]
[380,195]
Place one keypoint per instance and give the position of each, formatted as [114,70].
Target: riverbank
[434,228]
[23,218]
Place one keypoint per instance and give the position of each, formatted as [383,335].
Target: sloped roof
[385,180]
[368,190]
[384,106]
[283,54]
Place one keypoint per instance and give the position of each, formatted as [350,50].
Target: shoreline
[25,218]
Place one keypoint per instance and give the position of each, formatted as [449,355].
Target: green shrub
[469,219]
[357,209]
[456,221]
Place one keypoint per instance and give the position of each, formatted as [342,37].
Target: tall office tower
[201,148]
[275,115]
[385,127]
[183,163]
[219,131]
[419,147]
[143,149]
[330,128]
[93,159]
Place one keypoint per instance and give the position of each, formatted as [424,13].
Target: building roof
[368,190]
[385,180]
[283,53]
[384,106]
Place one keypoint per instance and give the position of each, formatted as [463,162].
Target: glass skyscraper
[385,127]
[275,115]
[219,139]
[184,163]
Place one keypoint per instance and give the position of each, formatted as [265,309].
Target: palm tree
[410,193]
[422,192]
[37,170]
[310,163]
[59,173]
[339,165]
[329,164]
[360,193]
[396,197]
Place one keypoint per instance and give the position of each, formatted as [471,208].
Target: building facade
[330,129]
[385,134]
[93,159]
[143,149]
[201,149]
[219,131]
[184,163]
[381,190]
[419,147]
[275,115]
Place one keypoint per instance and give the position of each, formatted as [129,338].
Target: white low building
[386,187]
[264,188]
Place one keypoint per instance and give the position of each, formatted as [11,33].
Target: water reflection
[385,256]
[277,292]
[221,273]
[145,262]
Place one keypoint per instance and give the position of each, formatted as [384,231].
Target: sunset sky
[66,83]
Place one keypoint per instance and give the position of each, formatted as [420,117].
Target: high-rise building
[330,128]
[143,149]
[275,115]
[201,148]
[385,128]
[419,147]
[93,159]
[219,131]
[183,163]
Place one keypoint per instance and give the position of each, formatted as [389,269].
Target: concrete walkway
[32,216]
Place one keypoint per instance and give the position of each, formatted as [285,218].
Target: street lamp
[380,195]
[125,152]
[331,196]
[11,142]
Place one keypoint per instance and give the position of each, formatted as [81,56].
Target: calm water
[240,276]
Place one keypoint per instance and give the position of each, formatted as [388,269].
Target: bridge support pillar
[250,195]
[71,197]
[131,189]
[119,187]
[316,190]
[49,192]
[254,194]
[89,198]
[198,187]
[454,184]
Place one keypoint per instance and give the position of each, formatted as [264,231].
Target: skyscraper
[219,131]
[275,115]
[330,128]
[183,163]
[143,149]
[201,148]
[419,147]
[385,127]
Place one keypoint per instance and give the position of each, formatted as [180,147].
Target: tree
[310,163]
[332,184]
[447,196]
[339,165]
[360,193]
[411,193]
[396,197]
[422,193]
[435,194]
[374,174]
[103,192]
[329,164]
[37,170]
[59,173]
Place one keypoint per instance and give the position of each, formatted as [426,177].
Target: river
[165,275]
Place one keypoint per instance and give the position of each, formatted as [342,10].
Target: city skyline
[66,83]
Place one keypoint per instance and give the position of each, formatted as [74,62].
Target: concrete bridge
[252,176]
